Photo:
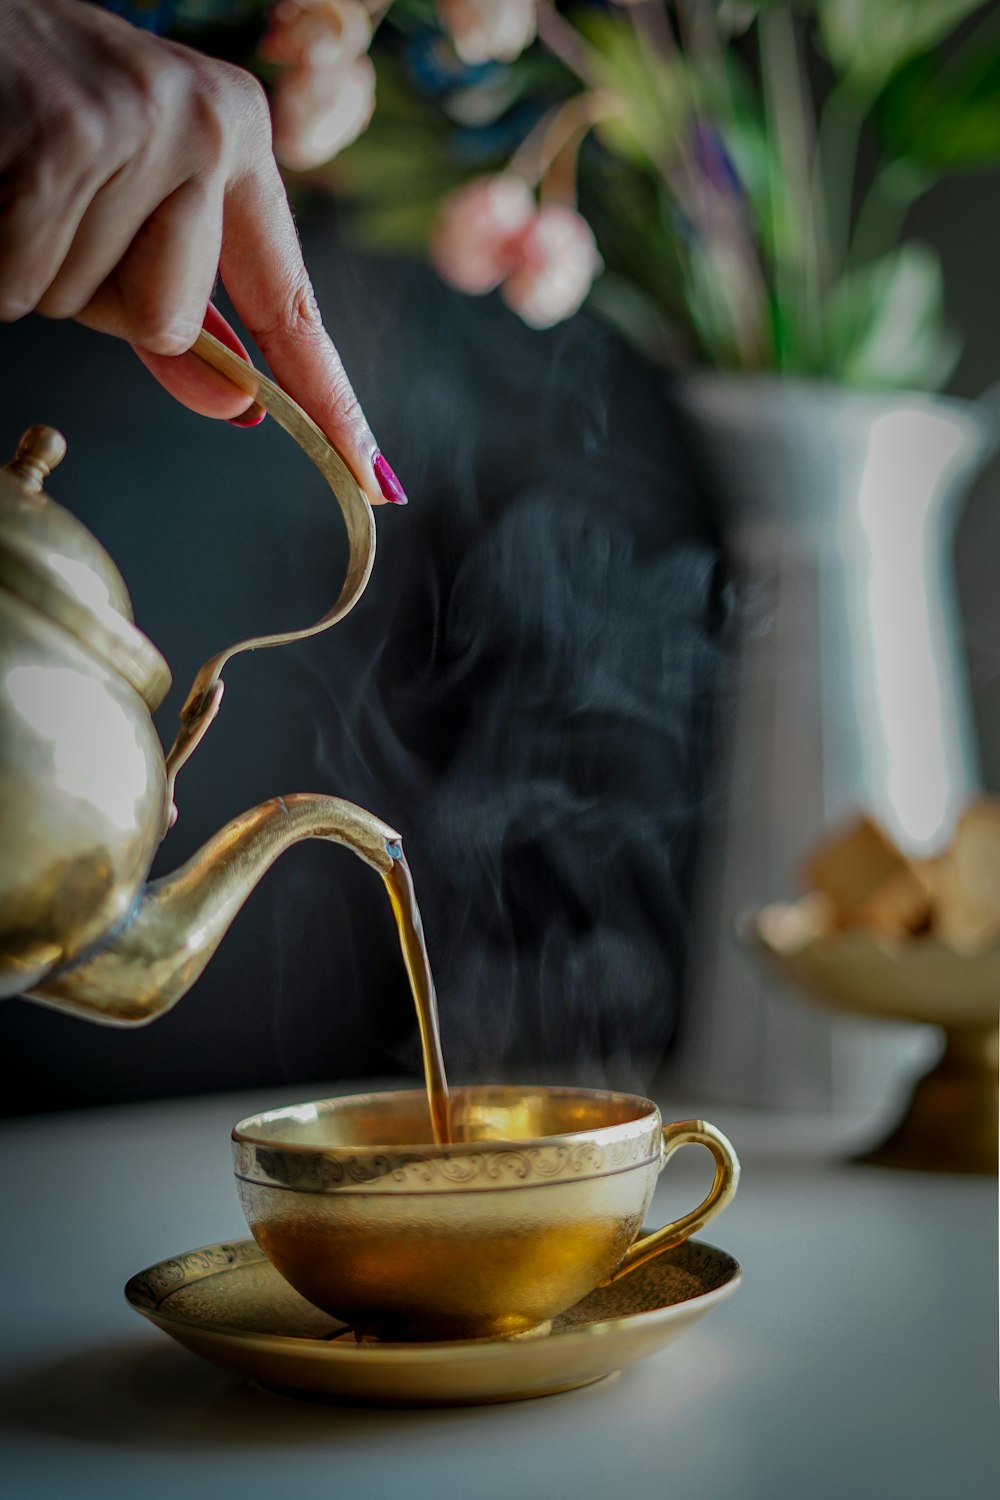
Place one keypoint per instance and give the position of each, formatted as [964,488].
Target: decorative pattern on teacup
[409,1172]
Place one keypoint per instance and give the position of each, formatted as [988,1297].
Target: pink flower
[316,33]
[491,233]
[316,112]
[476,242]
[324,96]
[486,29]
[557,262]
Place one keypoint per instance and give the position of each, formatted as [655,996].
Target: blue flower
[434,66]
[713,160]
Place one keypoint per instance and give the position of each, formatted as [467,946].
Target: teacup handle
[722,1191]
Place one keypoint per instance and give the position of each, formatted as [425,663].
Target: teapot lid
[51,561]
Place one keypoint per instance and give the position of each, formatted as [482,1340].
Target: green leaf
[654,91]
[944,121]
[411,15]
[885,323]
[734,17]
[869,40]
[741,125]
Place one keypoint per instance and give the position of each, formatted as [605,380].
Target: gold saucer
[227,1303]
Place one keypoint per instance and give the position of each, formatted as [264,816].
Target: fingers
[195,385]
[114,152]
[131,171]
[124,212]
[151,286]
[71,116]
[264,274]
[45,198]
[200,387]
[158,293]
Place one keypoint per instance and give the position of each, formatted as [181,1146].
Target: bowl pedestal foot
[950,1124]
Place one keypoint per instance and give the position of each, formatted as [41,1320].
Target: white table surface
[859,1359]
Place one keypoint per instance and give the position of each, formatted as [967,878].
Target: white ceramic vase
[850,696]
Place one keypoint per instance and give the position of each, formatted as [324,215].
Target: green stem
[880,219]
[652,23]
[790,131]
[837,143]
[560,131]
[564,41]
[734,327]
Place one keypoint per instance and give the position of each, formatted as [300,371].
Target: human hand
[133,171]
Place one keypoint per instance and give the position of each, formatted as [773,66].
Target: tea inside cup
[538,1199]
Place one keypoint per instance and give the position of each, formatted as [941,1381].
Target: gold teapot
[86,794]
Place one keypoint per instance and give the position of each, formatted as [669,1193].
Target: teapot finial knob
[38,453]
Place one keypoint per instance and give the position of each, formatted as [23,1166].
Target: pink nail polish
[215,324]
[252,417]
[387,481]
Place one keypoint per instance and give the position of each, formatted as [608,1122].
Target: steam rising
[525,692]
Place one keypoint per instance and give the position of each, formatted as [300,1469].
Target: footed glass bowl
[950,1124]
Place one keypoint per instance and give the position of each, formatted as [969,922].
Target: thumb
[196,385]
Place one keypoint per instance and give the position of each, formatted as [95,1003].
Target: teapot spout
[155,958]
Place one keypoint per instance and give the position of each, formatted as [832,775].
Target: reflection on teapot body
[86,793]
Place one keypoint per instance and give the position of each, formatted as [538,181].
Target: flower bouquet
[729,181]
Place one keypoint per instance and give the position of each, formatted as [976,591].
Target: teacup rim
[243,1132]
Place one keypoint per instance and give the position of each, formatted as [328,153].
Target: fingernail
[387,481]
[215,324]
[252,417]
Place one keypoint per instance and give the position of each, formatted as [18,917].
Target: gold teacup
[539,1200]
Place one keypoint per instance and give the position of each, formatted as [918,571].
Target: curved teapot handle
[202,703]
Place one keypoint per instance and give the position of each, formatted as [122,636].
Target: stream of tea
[399,883]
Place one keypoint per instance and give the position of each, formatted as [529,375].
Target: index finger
[264,273]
